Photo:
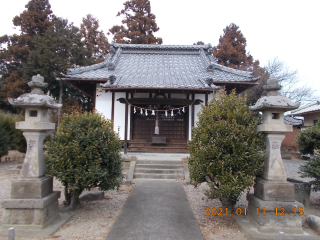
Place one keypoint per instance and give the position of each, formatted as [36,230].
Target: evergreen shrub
[312,170]
[10,137]
[225,150]
[309,139]
[84,153]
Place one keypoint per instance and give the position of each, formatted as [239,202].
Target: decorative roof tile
[170,66]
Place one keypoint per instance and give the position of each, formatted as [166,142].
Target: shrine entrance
[172,122]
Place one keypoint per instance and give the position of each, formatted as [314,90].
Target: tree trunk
[227,203]
[60,101]
[74,200]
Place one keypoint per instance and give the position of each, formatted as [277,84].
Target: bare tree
[293,86]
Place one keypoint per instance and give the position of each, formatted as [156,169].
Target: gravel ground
[93,220]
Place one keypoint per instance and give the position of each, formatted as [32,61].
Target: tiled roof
[288,120]
[306,109]
[160,66]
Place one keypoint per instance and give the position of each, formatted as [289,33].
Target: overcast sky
[285,29]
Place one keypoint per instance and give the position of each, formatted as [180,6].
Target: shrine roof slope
[160,66]
[288,120]
[313,107]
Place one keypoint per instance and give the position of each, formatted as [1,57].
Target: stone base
[35,213]
[274,190]
[302,191]
[253,234]
[31,188]
[275,216]
[31,231]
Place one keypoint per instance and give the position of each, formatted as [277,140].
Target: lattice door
[173,126]
[170,126]
[143,126]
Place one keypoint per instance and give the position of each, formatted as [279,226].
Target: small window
[275,115]
[33,113]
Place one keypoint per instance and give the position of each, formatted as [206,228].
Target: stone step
[165,162]
[163,171]
[150,145]
[157,150]
[158,175]
[159,166]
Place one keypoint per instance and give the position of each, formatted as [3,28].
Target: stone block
[34,213]
[275,216]
[159,140]
[31,203]
[302,191]
[31,188]
[41,216]
[274,190]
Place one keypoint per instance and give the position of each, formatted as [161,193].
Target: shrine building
[152,93]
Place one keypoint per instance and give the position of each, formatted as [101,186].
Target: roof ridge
[155,46]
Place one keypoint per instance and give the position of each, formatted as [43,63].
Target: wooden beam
[161,101]
[131,118]
[112,107]
[192,114]
[126,128]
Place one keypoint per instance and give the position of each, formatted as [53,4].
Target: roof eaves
[304,109]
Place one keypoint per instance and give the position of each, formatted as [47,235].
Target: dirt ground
[93,220]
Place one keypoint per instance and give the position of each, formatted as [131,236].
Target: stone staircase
[159,169]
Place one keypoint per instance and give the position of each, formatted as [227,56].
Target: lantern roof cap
[274,100]
[36,98]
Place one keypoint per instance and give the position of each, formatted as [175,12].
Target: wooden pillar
[192,114]
[126,127]
[112,107]
[131,118]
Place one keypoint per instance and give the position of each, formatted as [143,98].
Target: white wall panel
[119,114]
[197,108]
[210,96]
[104,104]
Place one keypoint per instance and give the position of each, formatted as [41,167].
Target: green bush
[309,139]
[225,150]
[10,137]
[84,153]
[312,170]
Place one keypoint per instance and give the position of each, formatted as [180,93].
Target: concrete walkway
[156,209]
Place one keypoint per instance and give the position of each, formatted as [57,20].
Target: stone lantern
[33,204]
[272,208]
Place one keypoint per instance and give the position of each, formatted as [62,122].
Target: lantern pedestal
[33,209]
[272,208]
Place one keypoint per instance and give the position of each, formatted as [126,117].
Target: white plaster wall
[119,114]
[104,103]
[309,118]
[197,108]
[210,96]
